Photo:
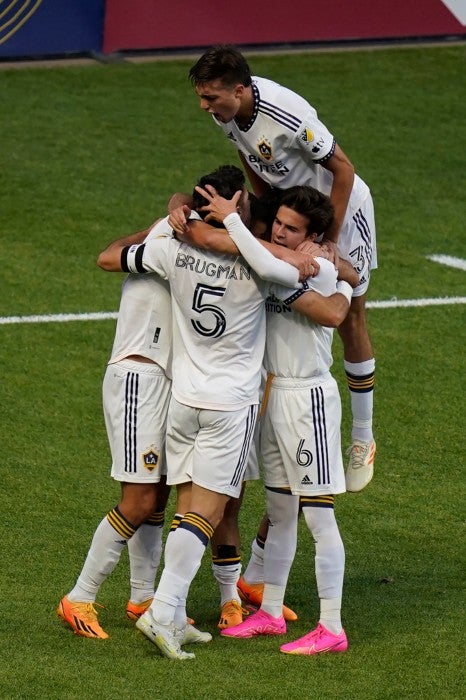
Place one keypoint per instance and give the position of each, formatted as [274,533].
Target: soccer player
[282,143]
[300,441]
[136,392]
[219,336]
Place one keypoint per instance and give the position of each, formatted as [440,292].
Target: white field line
[459,263]
[104,315]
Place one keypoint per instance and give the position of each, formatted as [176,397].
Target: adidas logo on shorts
[306,481]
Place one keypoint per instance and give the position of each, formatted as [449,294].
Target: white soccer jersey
[219,322]
[285,142]
[144,325]
[296,346]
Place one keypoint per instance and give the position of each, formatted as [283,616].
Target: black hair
[223,62]
[227,179]
[264,209]
[312,204]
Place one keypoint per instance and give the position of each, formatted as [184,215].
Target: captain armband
[131,258]
[345,289]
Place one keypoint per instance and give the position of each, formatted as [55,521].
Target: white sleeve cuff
[345,289]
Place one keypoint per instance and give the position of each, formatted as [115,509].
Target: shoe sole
[330,650]
[351,488]
[160,642]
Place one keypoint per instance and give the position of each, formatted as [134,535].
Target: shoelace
[358,454]
[230,608]
[88,609]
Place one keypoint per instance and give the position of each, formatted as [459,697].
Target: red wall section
[152,24]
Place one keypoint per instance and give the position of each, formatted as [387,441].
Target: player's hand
[313,248]
[305,263]
[218,207]
[347,273]
[331,249]
[178,219]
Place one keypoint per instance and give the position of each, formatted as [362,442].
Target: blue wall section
[50,27]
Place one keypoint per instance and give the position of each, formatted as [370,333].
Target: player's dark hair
[264,209]
[312,204]
[227,179]
[221,62]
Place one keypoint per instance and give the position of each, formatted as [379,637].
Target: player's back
[219,329]
[144,324]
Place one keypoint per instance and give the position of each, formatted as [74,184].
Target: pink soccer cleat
[254,625]
[318,641]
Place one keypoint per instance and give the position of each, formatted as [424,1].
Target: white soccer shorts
[357,243]
[209,448]
[300,437]
[136,396]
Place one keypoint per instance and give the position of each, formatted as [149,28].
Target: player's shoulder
[282,97]
[160,229]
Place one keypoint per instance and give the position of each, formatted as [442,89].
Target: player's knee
[139,501]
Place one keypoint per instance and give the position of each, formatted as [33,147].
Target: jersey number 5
[201,293]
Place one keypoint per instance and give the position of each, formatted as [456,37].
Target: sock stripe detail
[360,384]
[199,526]
[260,541]
[279,489]
[221,561]
[326,501]
[175,522]
[120,524]
[157,519]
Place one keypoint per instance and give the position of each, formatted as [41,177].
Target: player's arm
[259,186]
[343,178]
[202,235]
[206,237]
[259,258]
[347,272]
[327,311]
[108,258]
[179,209]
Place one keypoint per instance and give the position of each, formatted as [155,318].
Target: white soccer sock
[330,614]
[183,554]
[329,564]
[145,551]
[280,548]
[104,554]
[272,599]
[360,378]
[227,577]
[254,572]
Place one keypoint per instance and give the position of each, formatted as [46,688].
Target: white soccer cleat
[360,466]
[166,637]
[191,635]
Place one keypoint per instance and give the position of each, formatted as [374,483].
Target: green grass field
[92,153]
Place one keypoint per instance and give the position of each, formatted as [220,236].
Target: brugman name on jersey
[235,271]
[277,167]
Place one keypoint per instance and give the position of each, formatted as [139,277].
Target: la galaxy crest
[265,149]
[150,459]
